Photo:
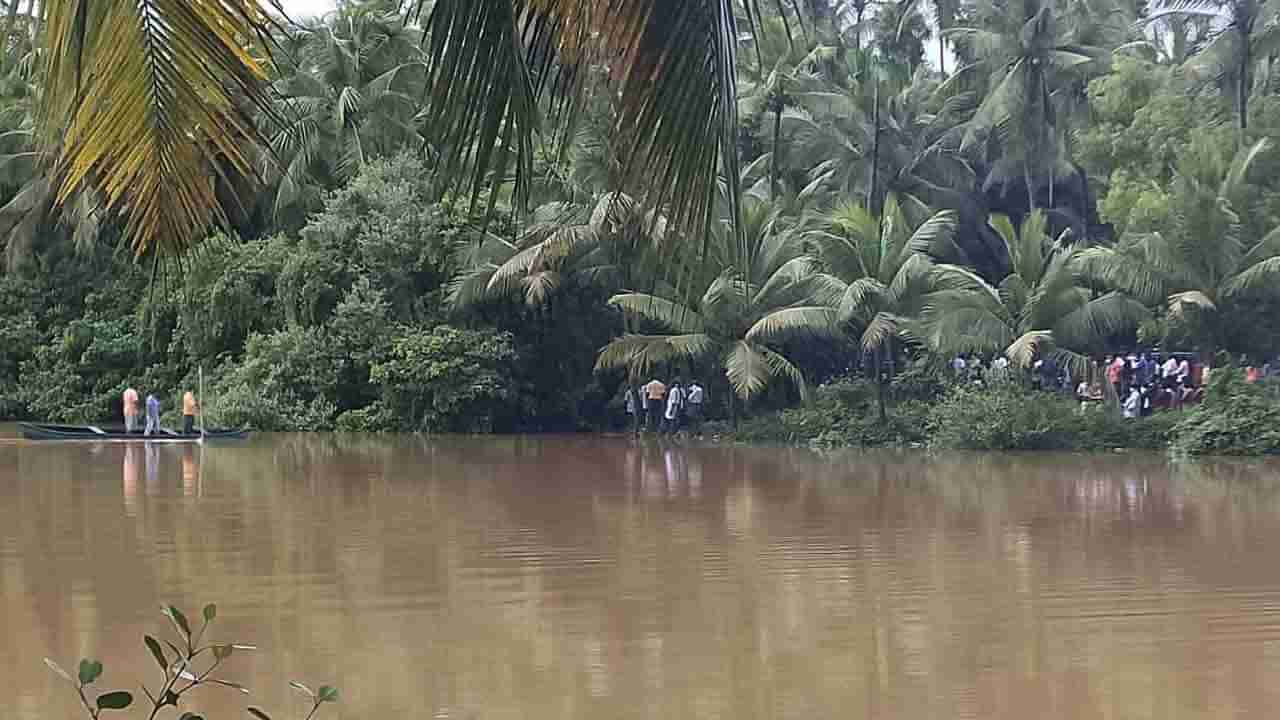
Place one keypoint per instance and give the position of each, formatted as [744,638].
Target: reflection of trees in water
[584,578]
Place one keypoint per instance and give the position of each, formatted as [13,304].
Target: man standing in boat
[153,414]
[188,413]
[130,410]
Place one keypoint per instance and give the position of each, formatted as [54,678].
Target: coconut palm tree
[352,96]
[738,310]
[882,273]
[1040,309]
[33,212]
[614,245]
[497,65]
[1251,35]
[1029,57]
[1201,268]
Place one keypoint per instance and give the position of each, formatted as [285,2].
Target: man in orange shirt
[130,410]
[188,413]
[655,391]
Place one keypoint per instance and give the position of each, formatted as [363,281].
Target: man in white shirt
[675,404]
[693,407]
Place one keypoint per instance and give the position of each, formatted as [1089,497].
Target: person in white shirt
[1133,403]
[693,407]
[675,403]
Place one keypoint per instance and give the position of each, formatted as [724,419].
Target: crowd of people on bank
[1142,382]
[130,403]
[660,408]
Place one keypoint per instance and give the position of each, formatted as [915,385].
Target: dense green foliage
[1237,418]
[1076,180]
[933,413]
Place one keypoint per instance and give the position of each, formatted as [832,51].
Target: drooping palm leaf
[671,61]
[145,101]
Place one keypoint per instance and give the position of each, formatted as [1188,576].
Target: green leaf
[302,688]
[58,669]
[90,670]
[222,652]
[327,694]
[117,700]
[210,612]
[156,652]
[259,714]
[179,620]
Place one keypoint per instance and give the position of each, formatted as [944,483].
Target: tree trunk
[942,53]
[880,384]
[773,165]
[875,150]
[1246,62]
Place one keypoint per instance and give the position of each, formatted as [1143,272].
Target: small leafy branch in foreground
[185,666]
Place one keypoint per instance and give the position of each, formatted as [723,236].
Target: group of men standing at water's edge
[660,408]
[130,402]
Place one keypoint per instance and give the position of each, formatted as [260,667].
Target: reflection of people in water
[188,470]
[153,462]
[130,479]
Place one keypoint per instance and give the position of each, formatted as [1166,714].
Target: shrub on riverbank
[1236,418]
[841,414]
[999,416]
[1005,416]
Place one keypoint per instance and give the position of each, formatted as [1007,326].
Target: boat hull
[93,433]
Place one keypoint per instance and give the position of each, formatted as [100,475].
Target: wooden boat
[44,431]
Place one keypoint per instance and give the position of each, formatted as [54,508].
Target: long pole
[200,404]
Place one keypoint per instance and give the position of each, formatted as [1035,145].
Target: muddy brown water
[586,577]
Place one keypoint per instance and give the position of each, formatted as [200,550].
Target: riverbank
[1235,418]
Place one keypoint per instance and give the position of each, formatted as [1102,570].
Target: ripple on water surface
[580,577]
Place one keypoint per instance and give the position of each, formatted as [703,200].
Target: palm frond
[671,61]
[1179,303]
[1023,351]
[795,322]
[144,101]
[680,318]
[640,354]
[1259,278]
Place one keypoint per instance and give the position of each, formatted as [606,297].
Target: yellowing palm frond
[146,102]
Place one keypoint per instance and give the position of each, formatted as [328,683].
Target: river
[568,577]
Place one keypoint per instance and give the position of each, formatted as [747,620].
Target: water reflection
[581,578]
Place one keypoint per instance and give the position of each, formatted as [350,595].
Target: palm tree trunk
[875,150]
[777,138]
[1031,185]
[880,384]
[1246,63]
